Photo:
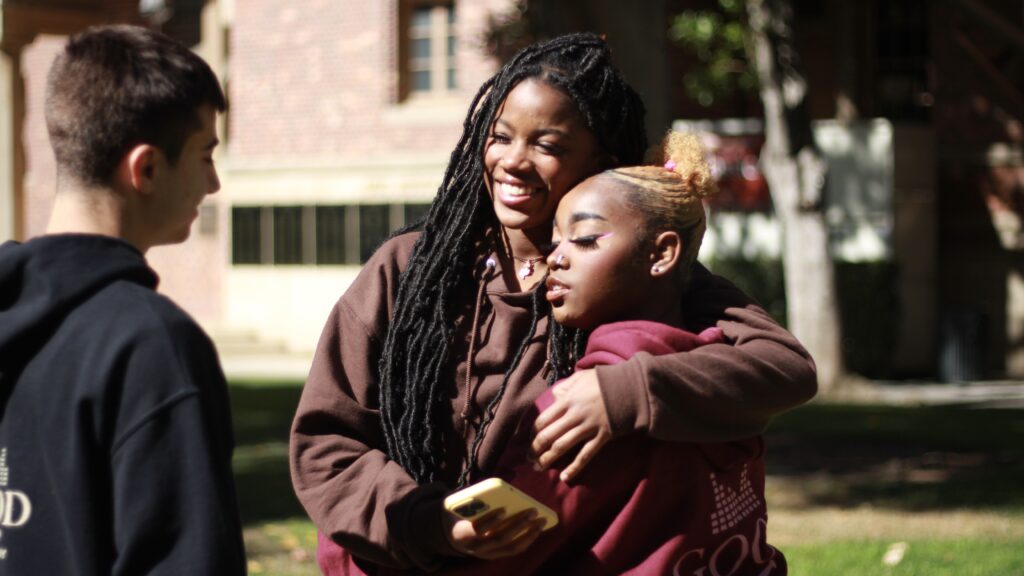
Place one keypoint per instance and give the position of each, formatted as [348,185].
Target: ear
[668,249]
[141,164]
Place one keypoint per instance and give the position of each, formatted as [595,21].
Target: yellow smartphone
[491,494]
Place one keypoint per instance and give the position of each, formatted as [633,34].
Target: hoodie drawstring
[470,386]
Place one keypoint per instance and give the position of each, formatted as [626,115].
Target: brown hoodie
[369,505]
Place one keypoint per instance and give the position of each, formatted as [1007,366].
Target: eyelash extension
[584,242]
[589,242]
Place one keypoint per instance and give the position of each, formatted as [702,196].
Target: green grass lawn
[966,557]
[263,416]
[852,489]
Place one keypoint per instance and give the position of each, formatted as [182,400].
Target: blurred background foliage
[718,39]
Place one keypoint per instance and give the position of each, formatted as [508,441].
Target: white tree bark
[796,175]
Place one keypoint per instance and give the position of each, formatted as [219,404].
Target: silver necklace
[526,270]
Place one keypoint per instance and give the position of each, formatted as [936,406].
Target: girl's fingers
[505,530]
[510,537]
[550,415]
[578,403]
[488,520]
[464,535]
[545,437]
[526,539]
[586,454]
[563,444]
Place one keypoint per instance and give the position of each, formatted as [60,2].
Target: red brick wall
[316,80]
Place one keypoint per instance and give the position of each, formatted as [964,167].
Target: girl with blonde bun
[625,243]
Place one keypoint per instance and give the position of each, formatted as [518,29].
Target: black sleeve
[175,509]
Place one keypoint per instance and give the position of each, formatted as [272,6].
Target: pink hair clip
[670,166]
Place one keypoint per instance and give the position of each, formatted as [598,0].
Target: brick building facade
[343,113]
[329,147]
[327,142]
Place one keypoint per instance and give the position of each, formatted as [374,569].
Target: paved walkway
[987,393]
[266,367]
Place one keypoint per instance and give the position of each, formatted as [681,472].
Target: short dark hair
[115,87]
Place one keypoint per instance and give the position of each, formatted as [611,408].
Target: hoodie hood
[44,279]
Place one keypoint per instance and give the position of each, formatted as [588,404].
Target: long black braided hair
[414,403]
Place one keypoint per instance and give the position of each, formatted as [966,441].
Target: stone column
[20,23]
[12,95]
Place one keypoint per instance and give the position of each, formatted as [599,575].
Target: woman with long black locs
[432,355]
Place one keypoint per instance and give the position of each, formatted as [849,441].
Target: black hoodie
[115,427]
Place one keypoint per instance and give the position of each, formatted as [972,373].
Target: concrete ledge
[988,393]
[266,367]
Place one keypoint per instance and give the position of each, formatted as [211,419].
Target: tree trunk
[796,175]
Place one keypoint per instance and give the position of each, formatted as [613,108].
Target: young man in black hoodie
[115,428]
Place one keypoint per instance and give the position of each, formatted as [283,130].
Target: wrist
[625,398]
[416,523]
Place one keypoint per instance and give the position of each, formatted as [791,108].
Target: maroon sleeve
[354,493]
[718,392]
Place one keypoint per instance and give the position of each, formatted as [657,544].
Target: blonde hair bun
[683,154]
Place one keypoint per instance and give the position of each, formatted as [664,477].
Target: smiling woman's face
[599,270]
[538,149]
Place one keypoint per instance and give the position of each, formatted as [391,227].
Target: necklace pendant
[526,270]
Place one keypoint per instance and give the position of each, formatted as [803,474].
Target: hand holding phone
[494,493]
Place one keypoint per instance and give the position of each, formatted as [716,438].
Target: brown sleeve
[718,392]
[354,493]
